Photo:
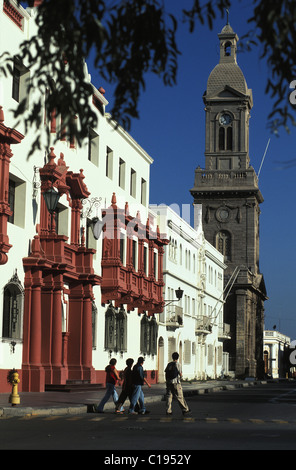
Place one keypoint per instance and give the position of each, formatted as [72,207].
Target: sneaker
[132,413]
[119,412]
[146,412]
[187,412]
[169,414]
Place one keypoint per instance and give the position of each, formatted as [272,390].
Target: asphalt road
[262,417]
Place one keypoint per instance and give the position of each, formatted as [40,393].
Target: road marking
[212,420]
[257,421]
[279,421]
[51,418]
[234,420]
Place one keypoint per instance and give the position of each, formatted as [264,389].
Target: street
[262,417]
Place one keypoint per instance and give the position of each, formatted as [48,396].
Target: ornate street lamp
[51,198]
[179,294]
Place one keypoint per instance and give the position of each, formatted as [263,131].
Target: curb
[15,411]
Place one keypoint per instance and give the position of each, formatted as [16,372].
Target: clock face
[222,214]
[225,119]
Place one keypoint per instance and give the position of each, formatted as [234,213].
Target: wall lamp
[96,226]
[179,294]
[51,198]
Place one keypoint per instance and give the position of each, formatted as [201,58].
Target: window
[225,138]
[155,265]
[135,254]
[122,247]
[223,243]
[20,78]
[61,220]
[109,163]
[148,337]
[146,267]
[13,308]
[115,329]
[16,77]
[133,183]
[17,201]
[93,147]
[121,174]
[143,192]
[11,200]
[221,138]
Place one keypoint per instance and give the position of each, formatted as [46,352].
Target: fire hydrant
[14,397]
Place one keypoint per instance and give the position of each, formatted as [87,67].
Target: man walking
[173,375]
[138,379]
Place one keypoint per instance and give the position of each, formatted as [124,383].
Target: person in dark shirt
[112,378]
[127,386]
[138,380]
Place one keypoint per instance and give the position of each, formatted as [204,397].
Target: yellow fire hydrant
[14,397]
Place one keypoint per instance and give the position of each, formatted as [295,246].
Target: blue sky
[171,129]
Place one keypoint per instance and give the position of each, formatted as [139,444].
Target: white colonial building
[193,326]
[275,352]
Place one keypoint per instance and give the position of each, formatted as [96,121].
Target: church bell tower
[228,190]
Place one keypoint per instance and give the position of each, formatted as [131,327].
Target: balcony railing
[203,325]
[224,331]
[174,317]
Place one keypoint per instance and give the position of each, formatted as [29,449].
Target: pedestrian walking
[112,377]
[127,386]
[138,380]
[173,374]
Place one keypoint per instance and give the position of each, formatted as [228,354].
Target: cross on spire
[227,12]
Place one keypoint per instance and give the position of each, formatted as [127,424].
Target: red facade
[49,355]
[136,280]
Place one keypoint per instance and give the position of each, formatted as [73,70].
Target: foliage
[126,39]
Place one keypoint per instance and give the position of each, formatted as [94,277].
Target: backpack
[171,371]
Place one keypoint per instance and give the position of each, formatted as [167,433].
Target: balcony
[224,332]
[174,318]
[203,325]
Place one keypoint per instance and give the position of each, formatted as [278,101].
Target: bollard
[14,397]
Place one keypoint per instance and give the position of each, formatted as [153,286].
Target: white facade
[194,325]
[126,173]
[275,352]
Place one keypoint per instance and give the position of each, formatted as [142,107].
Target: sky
[171,129]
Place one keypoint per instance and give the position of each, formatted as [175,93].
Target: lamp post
[51,198]
[179,294]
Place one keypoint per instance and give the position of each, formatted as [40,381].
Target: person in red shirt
[112,377]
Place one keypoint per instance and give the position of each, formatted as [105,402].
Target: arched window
[229,138]
[13,308]
[115,329]
[223,243]
[227,49]
[149,332]
[110,326]
[221,138]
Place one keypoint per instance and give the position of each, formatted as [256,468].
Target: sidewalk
[58,403]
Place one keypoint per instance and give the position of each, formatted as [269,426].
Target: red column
[33,372]
[56,355]
[88,371]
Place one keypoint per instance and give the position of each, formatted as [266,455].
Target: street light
[51,198]
[179,294]
[96,227]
